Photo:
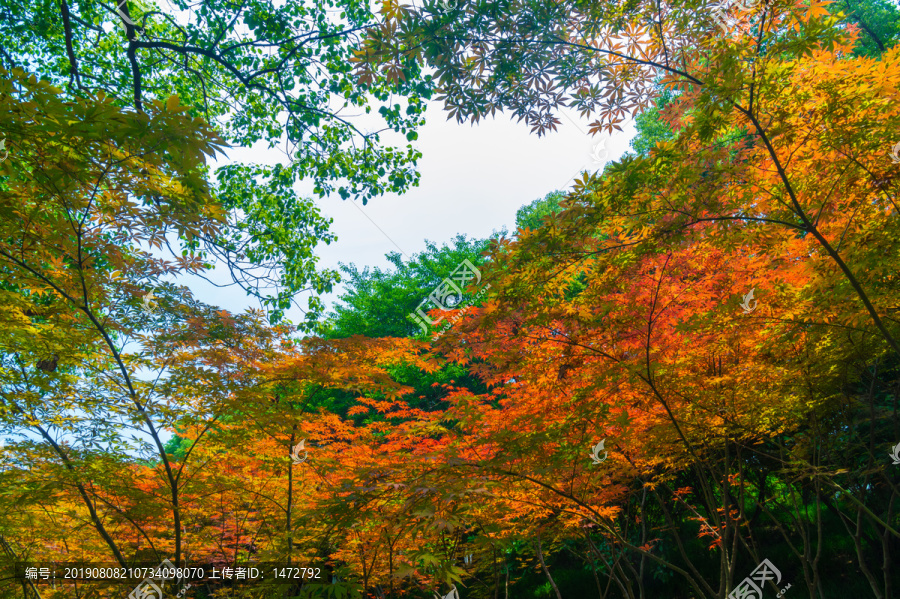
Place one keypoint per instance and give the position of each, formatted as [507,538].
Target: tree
[277,75]
[532,215]
[878,21]
[378,302]
[602,58]
[651,127]
[713,314]
[606,63]
[718,414]
[92,197]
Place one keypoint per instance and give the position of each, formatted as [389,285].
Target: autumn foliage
[719,311]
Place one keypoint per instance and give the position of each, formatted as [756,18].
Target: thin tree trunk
[592,564]
[390,569]
[860,555]
[540,555]
[496,572]
[506,591]
[612,576]
[290,497]
[7,547]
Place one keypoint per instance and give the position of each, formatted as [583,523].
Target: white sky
[473,180]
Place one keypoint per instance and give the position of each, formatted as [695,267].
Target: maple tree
[601,62]
[85,185]
[264,75]
[771,173]
[92,197]
[617,320]
[685,365]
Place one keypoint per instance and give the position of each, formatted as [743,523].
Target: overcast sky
[473,181]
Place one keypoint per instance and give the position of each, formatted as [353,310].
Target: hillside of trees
[677,379]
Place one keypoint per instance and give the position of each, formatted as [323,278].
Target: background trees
[736,426]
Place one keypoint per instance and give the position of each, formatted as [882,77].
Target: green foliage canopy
[377,302]
[275,75]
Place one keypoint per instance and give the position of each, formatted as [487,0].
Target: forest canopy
[677,378]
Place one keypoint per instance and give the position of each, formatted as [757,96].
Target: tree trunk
[540,555]
[290,497]
[506,590]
